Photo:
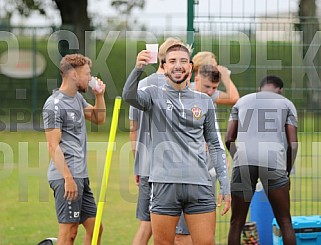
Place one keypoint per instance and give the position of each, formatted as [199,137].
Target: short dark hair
[211,72]
[270,79]
[179,47]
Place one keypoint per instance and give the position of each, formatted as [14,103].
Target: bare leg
[164,228]
[201,227]
[239,209]
[67,233]
[89,225]
[143,233]
[280,202]
[181,239]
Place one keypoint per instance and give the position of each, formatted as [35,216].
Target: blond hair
[72,61]
[203,58]
[165,45]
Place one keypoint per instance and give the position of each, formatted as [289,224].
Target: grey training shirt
[180,121]
[261,138]
[67,113]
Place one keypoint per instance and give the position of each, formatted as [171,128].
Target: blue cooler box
[307,230]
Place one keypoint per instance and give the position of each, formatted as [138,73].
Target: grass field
[29,216]
[27,210]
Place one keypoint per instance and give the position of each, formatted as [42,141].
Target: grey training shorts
[76,211]
[143,202]
[244,180]
[172,199]
[181,227]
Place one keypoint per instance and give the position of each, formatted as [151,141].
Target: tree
[74,15]
[309,25]
[125,8]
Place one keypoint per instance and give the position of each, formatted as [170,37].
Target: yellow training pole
[104,182]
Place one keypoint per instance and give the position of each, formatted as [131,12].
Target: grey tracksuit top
[180,121]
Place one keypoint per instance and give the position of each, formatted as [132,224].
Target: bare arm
[133,135]
[97,113]
[133,141]
[231,95]
[53,138]
[231,135]
[292,138]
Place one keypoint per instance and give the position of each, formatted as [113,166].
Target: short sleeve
[133,113]
[82,100]
[234,113]
[51,115]
[292,117]
[215,96]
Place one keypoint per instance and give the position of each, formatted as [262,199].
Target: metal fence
[252,46]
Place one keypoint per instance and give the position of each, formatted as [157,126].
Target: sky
[172,14]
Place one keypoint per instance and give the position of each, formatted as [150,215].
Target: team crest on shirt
[169,105]
[197,112]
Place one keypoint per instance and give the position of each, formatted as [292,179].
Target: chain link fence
[253,46]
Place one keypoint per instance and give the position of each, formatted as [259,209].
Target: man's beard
[175,80]
[82,90]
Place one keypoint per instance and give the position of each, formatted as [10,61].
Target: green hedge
[121,60]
